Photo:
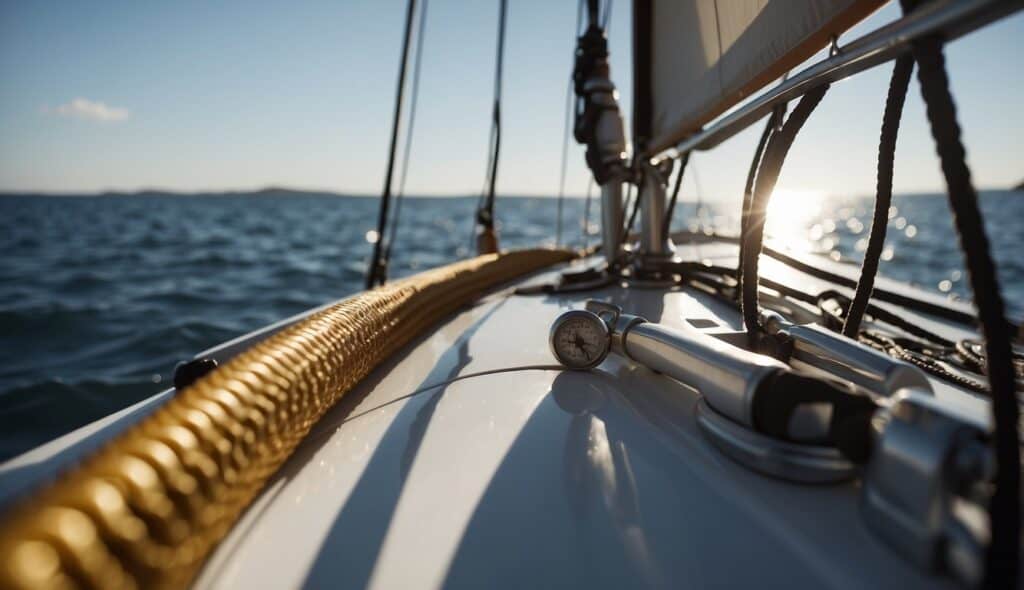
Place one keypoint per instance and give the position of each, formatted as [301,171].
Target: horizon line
[143,191]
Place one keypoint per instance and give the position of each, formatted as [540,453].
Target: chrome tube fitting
[819,349]
[611,220]
[654,241]
[727,376]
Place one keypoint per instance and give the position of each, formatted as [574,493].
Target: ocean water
[101,296]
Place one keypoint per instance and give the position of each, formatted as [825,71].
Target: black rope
[413,101]
[375,273]
[748,190]
[931,365]
[485,210]
[675,193]
[1002,561]
[898,84]
[920,305]
[768,174]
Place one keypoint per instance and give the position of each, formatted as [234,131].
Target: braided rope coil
[150,506]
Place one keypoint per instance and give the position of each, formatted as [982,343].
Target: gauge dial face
[579,339]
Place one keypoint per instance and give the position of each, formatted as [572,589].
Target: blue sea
[100,296]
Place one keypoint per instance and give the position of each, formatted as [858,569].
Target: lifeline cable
[768,175]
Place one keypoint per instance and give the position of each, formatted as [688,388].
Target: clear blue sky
[223,95]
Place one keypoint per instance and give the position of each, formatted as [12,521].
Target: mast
[599,126]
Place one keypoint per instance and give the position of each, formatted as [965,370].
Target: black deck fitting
[187,372]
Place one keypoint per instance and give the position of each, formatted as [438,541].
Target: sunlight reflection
[792,216]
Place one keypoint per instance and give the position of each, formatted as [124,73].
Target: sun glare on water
[791,215]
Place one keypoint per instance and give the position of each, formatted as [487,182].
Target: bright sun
[790,214]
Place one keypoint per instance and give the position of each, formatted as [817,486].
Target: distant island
[271,191]
[276,191]
[1019,187]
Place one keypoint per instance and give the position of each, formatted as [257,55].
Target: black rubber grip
[782,394]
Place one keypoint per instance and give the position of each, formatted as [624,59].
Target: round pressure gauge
[580,339]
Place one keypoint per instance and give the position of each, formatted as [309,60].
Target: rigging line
[569,112]
[768,175]
[632,215]
[683,161]
[1002,559]
[898,84]
[565,162]
[374,273]
[585,226]
[413,101]
[635,209]
[701,207]
[485,213]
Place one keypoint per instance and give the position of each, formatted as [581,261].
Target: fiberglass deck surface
[538,477]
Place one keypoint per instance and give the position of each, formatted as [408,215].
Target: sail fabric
[708,55]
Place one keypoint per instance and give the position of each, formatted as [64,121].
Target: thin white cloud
[83,108]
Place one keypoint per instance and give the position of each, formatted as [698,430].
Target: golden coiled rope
[148,508]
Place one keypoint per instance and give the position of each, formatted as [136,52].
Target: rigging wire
[487,240]
[585,225]
[375,273]
[700,207]
[565,162]
[570,108]
[898,85]
[683,161]
[607,20]
[413,101]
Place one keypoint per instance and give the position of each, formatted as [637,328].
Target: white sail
[708,55]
